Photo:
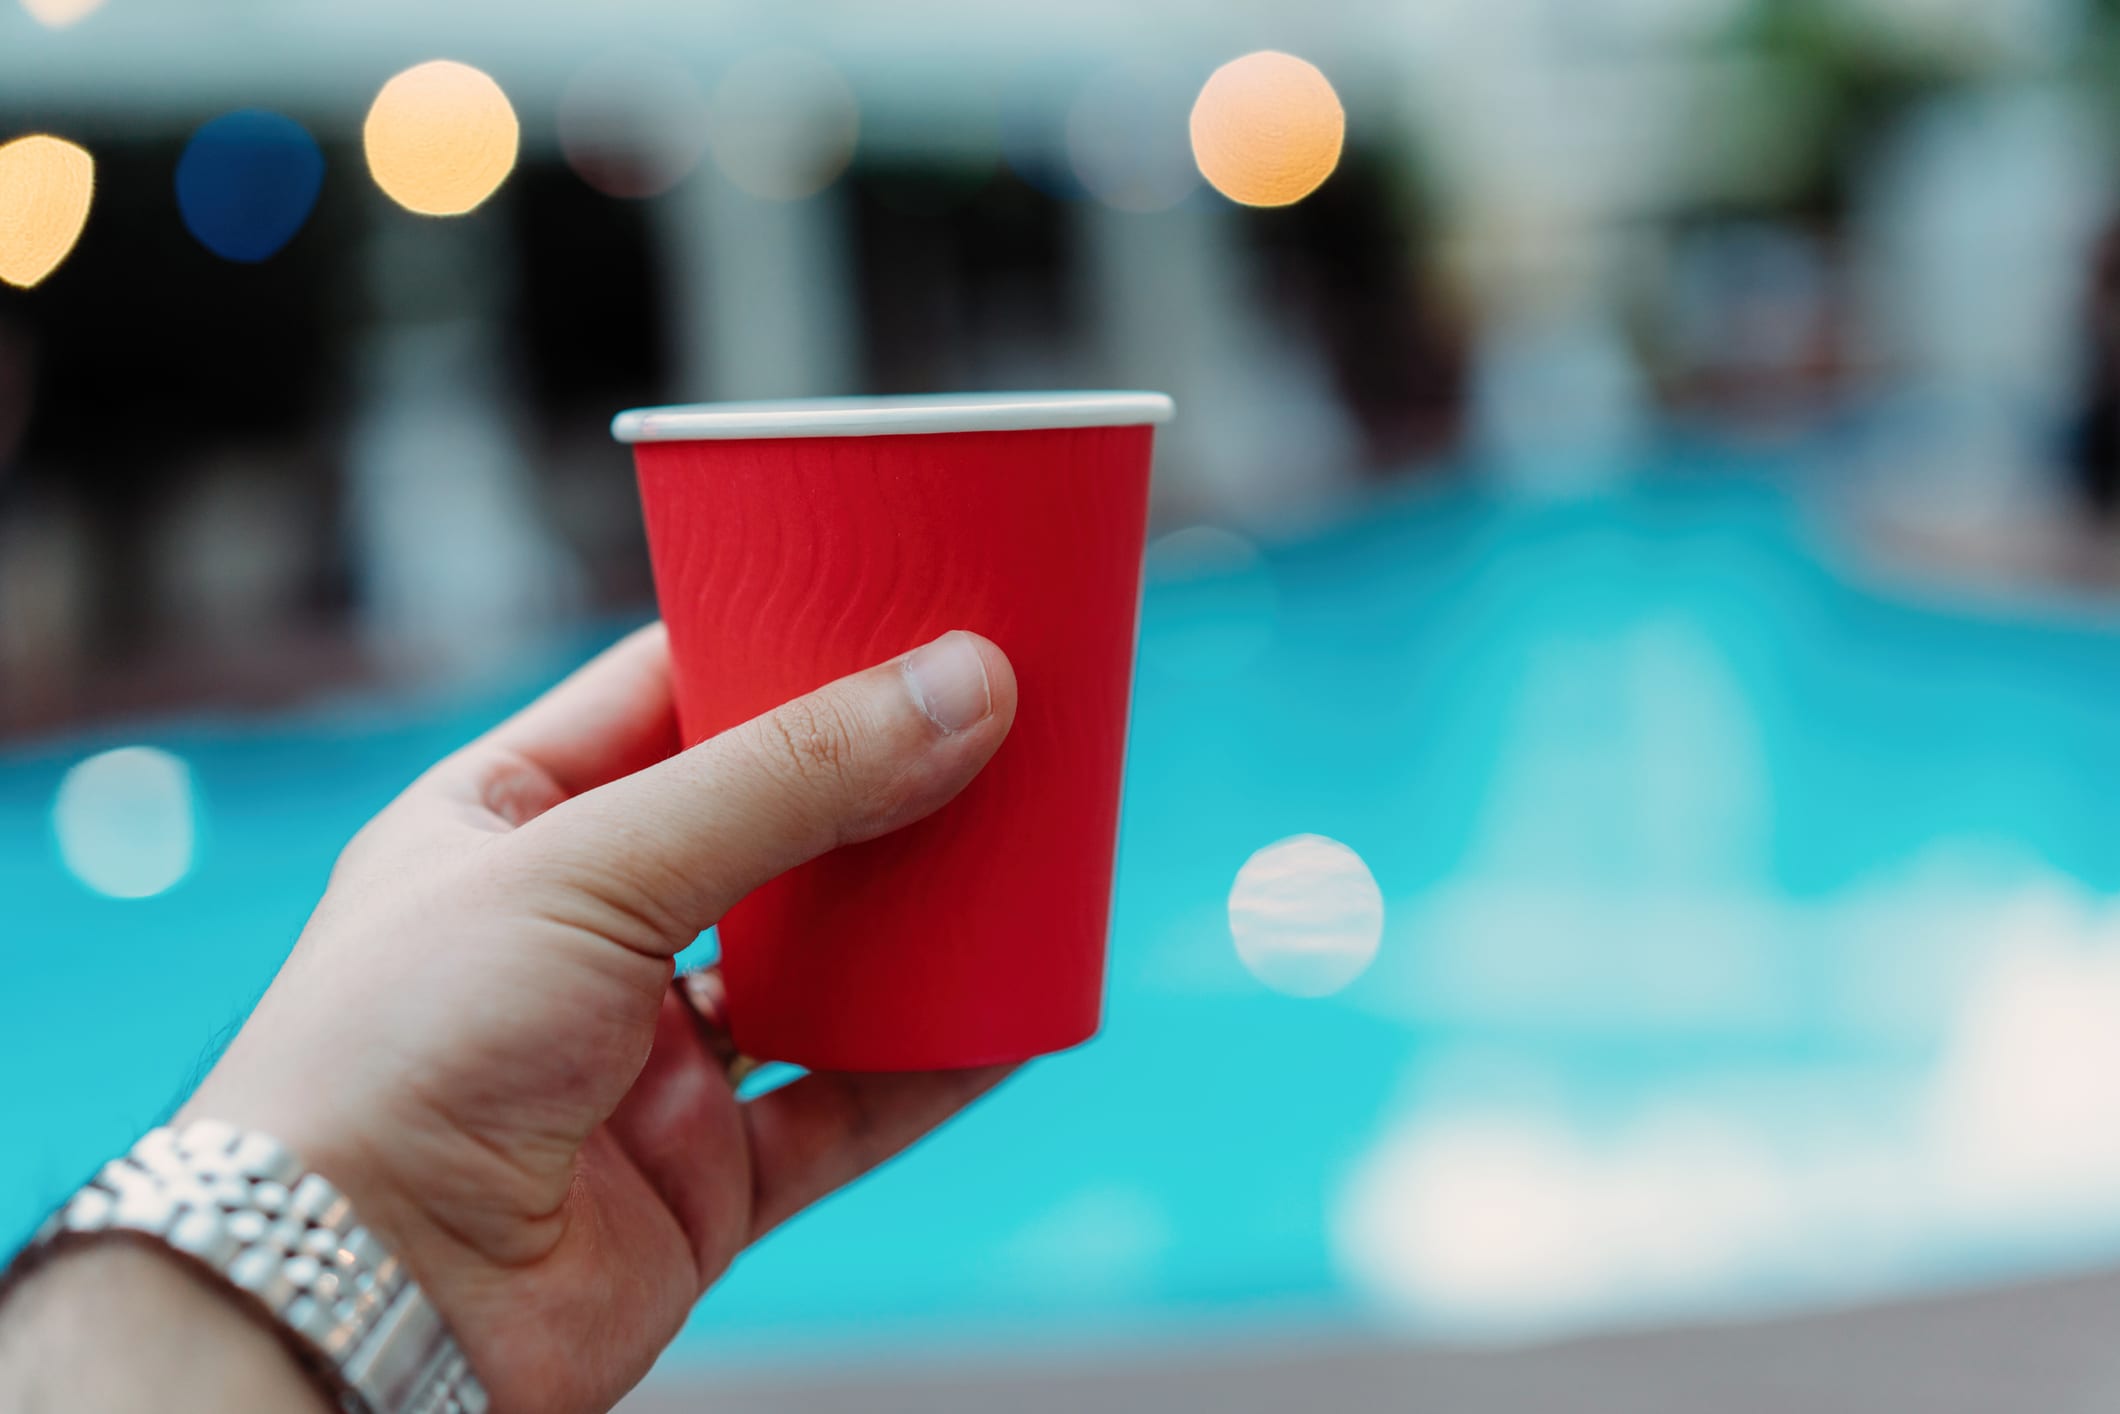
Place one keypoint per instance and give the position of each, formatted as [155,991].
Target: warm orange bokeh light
[1267,129]
[46,186]
[58,14]
[441,138]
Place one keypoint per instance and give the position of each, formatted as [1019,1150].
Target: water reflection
[126,822]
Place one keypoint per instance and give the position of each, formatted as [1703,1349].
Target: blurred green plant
[1846,73]
[2099,61]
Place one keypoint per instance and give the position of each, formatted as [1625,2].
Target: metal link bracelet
[240,1206]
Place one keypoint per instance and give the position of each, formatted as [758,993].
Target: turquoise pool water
[1745,943]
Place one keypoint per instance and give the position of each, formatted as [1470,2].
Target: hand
[477,1037]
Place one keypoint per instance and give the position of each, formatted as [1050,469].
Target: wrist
[118,1326]
[245,1212]
[325,1137]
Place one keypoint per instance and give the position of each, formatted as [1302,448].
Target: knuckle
[512,787]
[814,740]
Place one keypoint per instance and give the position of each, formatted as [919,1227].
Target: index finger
[611,718]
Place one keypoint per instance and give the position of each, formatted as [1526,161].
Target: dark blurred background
[1619,825]
[211,458]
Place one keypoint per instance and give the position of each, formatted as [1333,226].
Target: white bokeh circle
[1307,916]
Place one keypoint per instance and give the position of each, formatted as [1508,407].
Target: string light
[46,187]
[58,14]
[441,138]
[1267,129]
[247,182]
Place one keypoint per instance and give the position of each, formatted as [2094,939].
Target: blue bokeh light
[247,182]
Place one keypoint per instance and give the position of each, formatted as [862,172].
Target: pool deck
[2045,1347]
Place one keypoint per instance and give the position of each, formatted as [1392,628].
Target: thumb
[666,851]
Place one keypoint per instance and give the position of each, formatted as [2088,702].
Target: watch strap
[241,1206]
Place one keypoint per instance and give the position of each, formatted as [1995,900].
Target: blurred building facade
[1561,231]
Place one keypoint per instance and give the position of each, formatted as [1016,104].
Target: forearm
[117,1328]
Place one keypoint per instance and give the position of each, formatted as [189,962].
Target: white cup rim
[889,416]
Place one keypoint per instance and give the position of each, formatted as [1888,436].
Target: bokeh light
[247,182]
[1267,129]
[783,124]
[1125,138]
[1506,1216]
[46,187]
[58,14]
[633,123]
[441,138]
[127,821]
[1306,915]
[1216,604]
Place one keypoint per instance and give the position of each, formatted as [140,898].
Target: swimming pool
[1745,944]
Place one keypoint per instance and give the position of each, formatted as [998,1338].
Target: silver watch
[241,1206]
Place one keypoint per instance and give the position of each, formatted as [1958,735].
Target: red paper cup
[796,542]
